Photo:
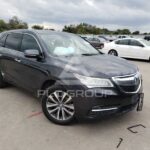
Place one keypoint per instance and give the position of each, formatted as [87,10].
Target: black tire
[113,52]
[101,46]
[52,117]
[2,82]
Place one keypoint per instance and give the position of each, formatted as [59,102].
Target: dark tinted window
[3,39]
[90,39]
[135,43]
[122,42]
[29,42]
[13,41]
[94,40]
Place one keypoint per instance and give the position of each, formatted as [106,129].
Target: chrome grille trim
[104,109]
[126,78]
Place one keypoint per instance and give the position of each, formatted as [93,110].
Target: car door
[122,47]
[136,49]
[9,54]
[2,52]
[31,72]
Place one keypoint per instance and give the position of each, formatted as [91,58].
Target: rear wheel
[58,106]
[113,52]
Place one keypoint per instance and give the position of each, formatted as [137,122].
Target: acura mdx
[70,77]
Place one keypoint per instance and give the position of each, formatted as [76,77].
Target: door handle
[17,60]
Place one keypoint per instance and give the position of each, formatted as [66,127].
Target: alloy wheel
[60,106]
[114,53]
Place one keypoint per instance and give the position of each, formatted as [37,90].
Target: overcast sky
[112,14]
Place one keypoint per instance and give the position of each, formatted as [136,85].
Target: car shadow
[101,123]
[137,60]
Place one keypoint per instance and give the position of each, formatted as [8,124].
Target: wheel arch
[47,84]
[41,91]
[113,50]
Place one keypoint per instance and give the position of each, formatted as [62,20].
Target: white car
[128,48]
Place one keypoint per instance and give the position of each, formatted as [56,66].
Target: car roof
[32,31]
[128,39]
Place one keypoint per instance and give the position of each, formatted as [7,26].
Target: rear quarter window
[135,43]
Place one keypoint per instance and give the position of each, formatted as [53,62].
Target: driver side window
[28,42]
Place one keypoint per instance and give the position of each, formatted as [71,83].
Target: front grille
[128,84]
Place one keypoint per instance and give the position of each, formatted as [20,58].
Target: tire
[101,46]
[58,106]
[2,83]
[113,52]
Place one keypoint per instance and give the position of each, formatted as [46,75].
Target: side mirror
[31,53]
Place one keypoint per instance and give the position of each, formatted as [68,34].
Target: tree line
[16,23]
[13,23]
[82,28]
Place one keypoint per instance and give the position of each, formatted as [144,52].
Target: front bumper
[98,107]
[98,102]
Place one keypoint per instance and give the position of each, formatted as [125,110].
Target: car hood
[98,66]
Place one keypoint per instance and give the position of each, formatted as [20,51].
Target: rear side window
[93,40]
[90,39]
[3,39]
[122,42]
[13,41]
[28,42]
[96,40]
[135,43]
[117,42]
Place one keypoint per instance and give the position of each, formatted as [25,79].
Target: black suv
[70,77]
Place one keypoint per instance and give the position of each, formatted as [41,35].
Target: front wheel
[2,82]
[113,52]
[58,106]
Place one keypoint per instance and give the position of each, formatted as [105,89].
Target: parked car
[95,42]
[103,38]
[72,79]
[147,37]
[128,48]
[107,38]
[123,36]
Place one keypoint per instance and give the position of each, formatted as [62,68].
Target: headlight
[94,82]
